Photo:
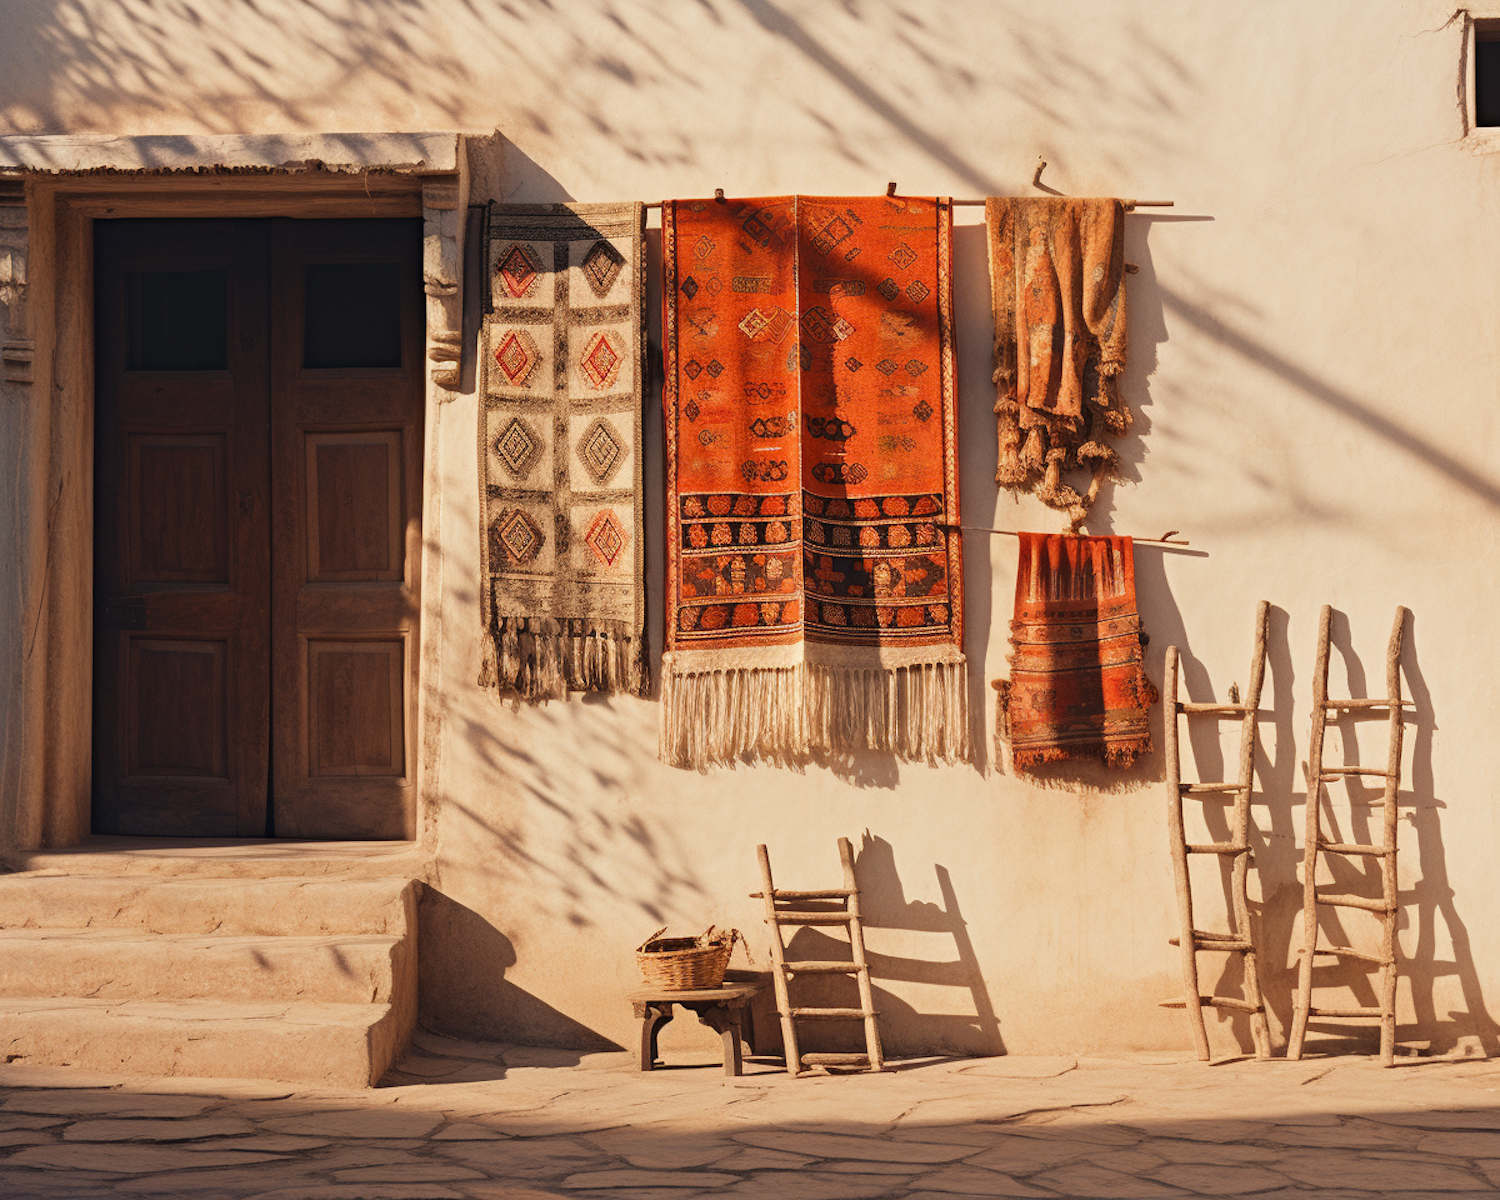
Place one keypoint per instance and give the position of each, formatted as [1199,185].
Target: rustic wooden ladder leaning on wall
[1385,906]
[832,906]
[1241,938]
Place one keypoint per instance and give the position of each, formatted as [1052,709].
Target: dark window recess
[1487,80]
[353,315]
[177,320]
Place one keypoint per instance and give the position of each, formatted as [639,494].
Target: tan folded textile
[1057,276]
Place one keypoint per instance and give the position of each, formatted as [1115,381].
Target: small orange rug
[1077,686]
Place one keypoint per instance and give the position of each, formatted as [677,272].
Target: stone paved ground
[465,1120]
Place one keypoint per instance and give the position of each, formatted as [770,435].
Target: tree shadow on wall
[461,986]
[905,1030]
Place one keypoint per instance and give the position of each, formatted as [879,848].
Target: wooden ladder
[1241,938]
[1385,906]
[833,906]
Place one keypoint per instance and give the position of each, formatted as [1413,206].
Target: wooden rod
[1161,541]
[1129,204]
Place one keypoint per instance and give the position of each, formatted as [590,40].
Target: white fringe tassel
[785,714]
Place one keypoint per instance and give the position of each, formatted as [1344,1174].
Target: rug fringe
[542,659]
[785,714]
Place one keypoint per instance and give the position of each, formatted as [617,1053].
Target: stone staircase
[303,979]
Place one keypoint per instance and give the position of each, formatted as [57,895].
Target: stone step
[335,1045]
[294,906]
[117,964]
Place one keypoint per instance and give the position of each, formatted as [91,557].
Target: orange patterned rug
[1077,687]
[814,591]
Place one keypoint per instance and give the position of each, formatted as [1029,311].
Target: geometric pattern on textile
[601,267]
[1077,687]
[607,538]
[518,357]
[519,448]
[817,524]
[601,451]
[516,534]
[562,593]
[518,271]
[600,359]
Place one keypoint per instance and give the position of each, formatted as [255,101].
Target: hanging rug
[561,550]
[814,586]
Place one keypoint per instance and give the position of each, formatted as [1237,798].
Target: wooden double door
[258,483]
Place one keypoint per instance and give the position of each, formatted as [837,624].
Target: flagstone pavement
[462,1120]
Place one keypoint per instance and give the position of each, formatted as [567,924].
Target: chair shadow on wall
[1277,836]
[905,1031]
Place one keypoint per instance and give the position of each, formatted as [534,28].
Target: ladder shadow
[905,1030]
[1354,816]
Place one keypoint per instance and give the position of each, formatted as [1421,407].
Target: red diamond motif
[601,360]
[518,270]
[606,538]
[517,357]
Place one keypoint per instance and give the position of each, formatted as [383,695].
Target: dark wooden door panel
[347,474]
[181,527]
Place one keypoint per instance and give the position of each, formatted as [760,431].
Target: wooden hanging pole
[1129,204]
[1166,539]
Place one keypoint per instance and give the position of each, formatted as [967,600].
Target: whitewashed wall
[1312,369]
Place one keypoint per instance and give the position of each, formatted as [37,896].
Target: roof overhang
[343,153]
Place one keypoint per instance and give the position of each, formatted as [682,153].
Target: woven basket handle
[642,947]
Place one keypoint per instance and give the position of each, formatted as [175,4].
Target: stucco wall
[1313,339]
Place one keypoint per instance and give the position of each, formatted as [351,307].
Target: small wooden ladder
[1241,938]
[833,906]
[1385,906]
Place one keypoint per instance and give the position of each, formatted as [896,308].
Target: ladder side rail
[857,953]
[1186,942]
[778,963]
[1259,1032]
[1390,813]
[1302,1008]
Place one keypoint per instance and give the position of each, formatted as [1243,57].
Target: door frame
[45,789]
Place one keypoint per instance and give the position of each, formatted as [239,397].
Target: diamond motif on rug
[517,536]
[519,270]
[903,256]
[917,291]
[690,287]
[519,448]
[601,267]
[606,538]
[601,451]
[518,357]
[601,358]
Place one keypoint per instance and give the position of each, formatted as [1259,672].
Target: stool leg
[653,1015]
[719,1018]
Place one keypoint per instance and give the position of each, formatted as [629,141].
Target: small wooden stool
[724,1009]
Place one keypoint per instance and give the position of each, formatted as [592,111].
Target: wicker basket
[683,964]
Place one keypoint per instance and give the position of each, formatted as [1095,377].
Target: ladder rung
[1215,1002]
[1369,703]
[1354,848]
[1223,710]
[825,894]
[1350,952]
[836,1060]
[1329,773]
[1192,789]
[1216,943]
[1317,1011]
[811,967]
[831,1014]
[1371,905]
[828,918]
[1218,848]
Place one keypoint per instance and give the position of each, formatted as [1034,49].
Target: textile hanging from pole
[1057,276]
[814,597]
[561,550]
[1077,687]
